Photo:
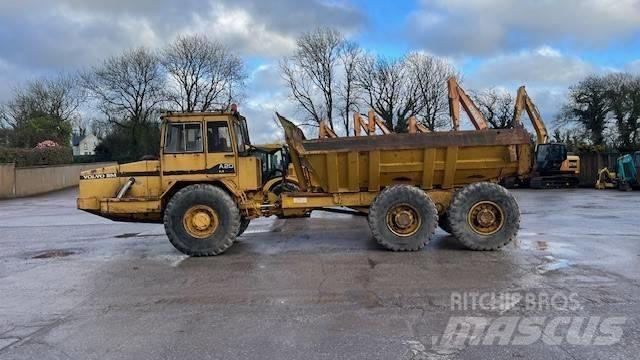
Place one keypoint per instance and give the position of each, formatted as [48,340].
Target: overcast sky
[544,44]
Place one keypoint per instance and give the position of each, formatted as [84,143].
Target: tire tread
[214,192]
[459,229]
[394,191]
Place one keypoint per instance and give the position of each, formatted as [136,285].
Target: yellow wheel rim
[403,220]
[200,221]
[486,218]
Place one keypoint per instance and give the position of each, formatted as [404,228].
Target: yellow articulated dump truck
[209,182]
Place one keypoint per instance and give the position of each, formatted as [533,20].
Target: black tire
[208,196]
[483,197]
[244,224]
[510,182]
[444,223]
[420,206]
[284,187]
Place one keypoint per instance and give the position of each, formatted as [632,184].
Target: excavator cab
[549,171]
[549,157]
[628,170]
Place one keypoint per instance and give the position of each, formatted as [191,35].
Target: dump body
[439,160]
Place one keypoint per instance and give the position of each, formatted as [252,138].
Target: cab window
[242,147]
[218,138]
[183,138]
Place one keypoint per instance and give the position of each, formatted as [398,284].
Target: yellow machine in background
[626,177]
[553,166]
[210,181]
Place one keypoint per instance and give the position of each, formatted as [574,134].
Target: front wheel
[202,220]
[403,218]
[484,216]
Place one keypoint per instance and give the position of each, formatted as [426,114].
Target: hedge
[35,157]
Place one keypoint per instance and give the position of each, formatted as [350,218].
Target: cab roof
[199,116]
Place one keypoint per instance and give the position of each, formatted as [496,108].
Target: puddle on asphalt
[554,264]
[53,254]
[173,260]
[542,245]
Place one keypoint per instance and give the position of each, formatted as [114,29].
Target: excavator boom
[326,132]
[523,102]
[457,97]
[370,126]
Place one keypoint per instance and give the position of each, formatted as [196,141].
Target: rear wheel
[403,218]
[484,216]
[202,220]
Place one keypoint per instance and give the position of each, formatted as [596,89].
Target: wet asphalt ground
[75,286]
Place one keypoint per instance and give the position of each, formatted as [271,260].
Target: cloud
[238,30]
[269,94]
[463,27]
[546,72]
[67,34]
[79,31]
[544,66]
[40,38]
[633,67]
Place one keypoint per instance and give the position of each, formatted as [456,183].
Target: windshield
[551,152]
[273,163]
[242,135]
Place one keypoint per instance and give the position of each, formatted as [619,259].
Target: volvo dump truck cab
[210,181]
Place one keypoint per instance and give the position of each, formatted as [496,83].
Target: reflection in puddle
[173,260]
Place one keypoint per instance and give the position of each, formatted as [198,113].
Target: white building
[85,146]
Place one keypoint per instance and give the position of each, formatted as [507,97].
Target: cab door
[220,153]
[183,150]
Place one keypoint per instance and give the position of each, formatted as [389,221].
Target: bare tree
[128,90]
[302,91]
[348,95]
[390,91]
[380,79]
[42,109]
[311,72]
[497,107]
[206,75]
[430,75]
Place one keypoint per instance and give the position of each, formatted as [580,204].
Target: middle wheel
[403,218]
